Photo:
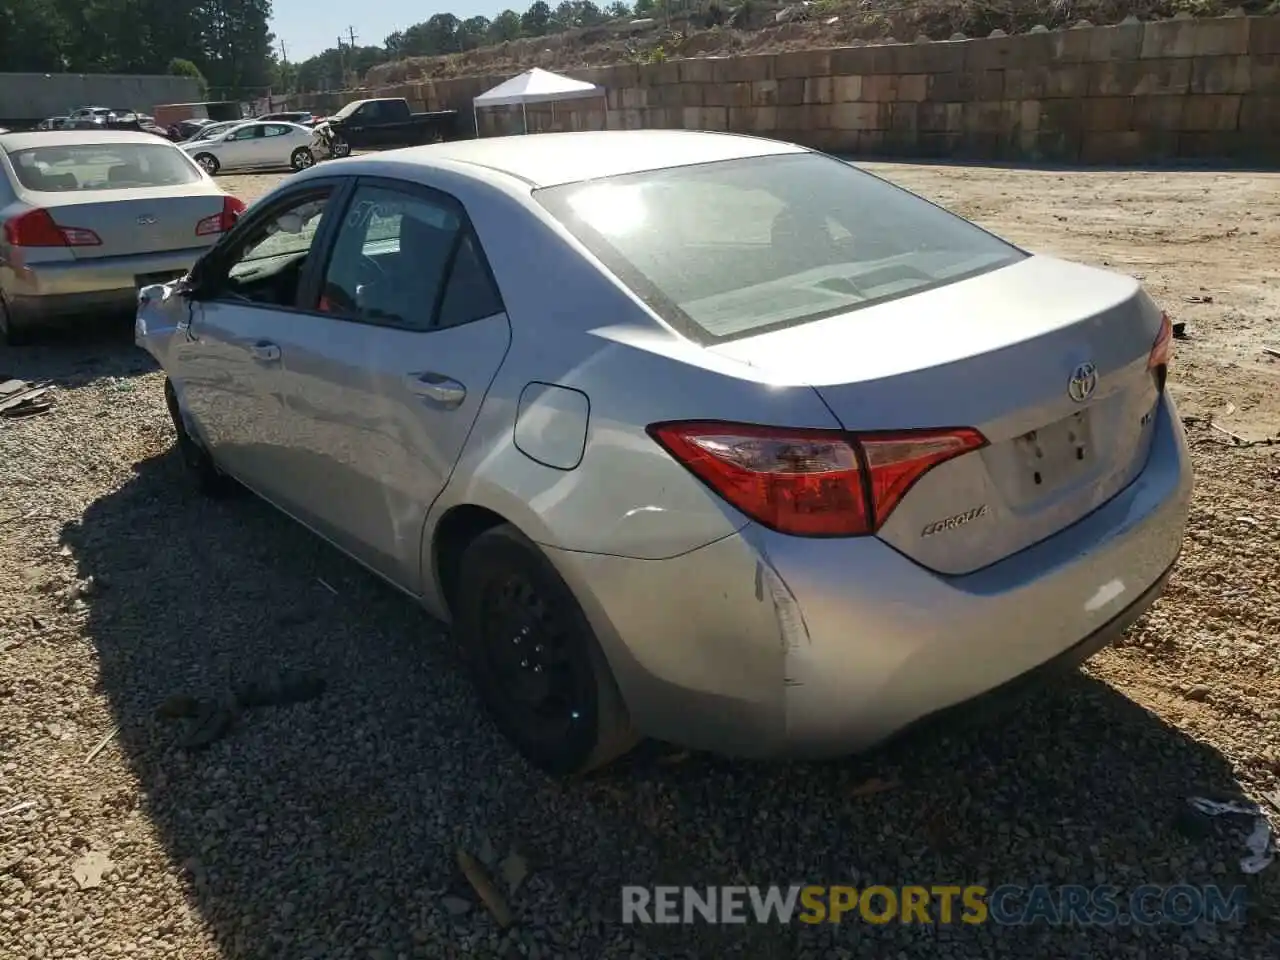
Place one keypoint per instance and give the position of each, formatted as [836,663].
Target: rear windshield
[740,247]
[67,168]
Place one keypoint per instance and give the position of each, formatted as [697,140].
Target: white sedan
[256,145]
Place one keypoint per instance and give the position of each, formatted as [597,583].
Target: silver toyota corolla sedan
[696,436]
[87,218]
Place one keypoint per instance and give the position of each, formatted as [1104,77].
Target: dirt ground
[328,829]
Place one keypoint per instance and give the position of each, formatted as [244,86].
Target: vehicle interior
[392,270]
[269,267]
[81,167]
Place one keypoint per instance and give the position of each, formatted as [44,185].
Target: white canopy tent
[534,86]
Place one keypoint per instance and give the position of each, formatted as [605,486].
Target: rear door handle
[265,352]
[436,387]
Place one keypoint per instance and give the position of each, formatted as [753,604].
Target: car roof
[61,138]
[549,159]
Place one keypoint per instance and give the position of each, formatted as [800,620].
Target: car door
[226,361]
[237,150]
[275,145]
[385,377]
[356,126]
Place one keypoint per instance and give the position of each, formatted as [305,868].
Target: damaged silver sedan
[701,437]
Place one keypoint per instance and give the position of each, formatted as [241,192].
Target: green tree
[178,67]
[228,41]
[586,13]
[644,8]
[535,21]
[617,10]
[473,32]
[238,47]
[505,26]
[33,36]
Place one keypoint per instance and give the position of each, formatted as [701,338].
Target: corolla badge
[1084,380]
[952,523]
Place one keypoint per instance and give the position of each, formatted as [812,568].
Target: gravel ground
[329,828]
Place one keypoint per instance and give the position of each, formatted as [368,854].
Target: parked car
[303,118]
[384,122]
[88,217]
[210,130]
[894,462]
[52,123]
[185,129]
[256,145]
[88,118]
[147,125]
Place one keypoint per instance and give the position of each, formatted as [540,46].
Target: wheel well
[457,529]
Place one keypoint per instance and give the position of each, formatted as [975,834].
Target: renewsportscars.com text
[1006,905]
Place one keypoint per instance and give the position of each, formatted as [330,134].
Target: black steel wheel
[536,662]
[208,479]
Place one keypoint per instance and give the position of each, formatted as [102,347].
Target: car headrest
[123,172]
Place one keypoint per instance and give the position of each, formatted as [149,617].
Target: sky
[308,27]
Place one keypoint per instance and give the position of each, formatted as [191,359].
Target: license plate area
[1054,455]
[162,276]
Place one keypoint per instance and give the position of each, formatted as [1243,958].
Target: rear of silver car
[86,221]
[1004,482]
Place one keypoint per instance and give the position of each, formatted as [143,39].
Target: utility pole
[284,54]
[351,32]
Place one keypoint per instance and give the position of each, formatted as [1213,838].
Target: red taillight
[811,483]
[895,461]
[232,207]
[36,228]
[1162,349]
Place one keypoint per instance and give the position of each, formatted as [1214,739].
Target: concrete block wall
[1130,93]
[30,97]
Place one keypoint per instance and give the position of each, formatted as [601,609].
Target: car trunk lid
[130,222]
[1047,359]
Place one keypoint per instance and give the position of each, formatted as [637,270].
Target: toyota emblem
[1084,380]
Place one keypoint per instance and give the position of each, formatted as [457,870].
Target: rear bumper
[763,645]
[44,292]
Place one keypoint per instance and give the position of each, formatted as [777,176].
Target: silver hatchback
[703,437]
[87,218]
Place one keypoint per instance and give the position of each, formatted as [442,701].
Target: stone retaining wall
[1130,93]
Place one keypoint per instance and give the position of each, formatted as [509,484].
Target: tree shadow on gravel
[78,355]
[329,828]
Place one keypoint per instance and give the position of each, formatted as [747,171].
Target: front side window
[103,166]
[265,266]
[739,247]
[408,261]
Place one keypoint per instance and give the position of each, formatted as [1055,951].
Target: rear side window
[408,261]
[736,248]
[111,166]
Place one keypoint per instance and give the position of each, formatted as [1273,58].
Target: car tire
[11,334]
[535,661]
[209,163]
[340,148]
[302,159]
[199,465]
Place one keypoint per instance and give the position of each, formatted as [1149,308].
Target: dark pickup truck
[385,122]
